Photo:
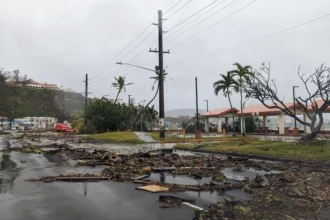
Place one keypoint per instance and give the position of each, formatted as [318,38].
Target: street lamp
[207,105]
[294,105]
[161,95]
[141,67]
[143,101]
[129,111]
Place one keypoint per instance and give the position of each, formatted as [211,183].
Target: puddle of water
[324,214]
[247,173]
[8,173]
[179,179]
[219,196]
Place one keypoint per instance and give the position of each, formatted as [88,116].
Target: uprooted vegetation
[296,190]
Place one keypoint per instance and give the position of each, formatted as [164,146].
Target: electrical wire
[128,45]
[182,29]
[191,16]
[256,40]
[131,42]
[214,24]
[178,9]
[172,7]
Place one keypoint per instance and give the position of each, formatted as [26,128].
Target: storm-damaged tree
[317,84]
[156,82]
[120,84]
[4,76]
[17,78]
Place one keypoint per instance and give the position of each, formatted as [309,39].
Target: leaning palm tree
[120,85]
[243,73]
[156,82]
[226,84]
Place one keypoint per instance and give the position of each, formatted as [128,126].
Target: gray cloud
[60,41]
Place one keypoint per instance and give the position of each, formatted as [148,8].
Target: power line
[179,9]
[144,30]
[197,19]
[214,24]
[173,6]
[256,40]
[129,44]
[192,16]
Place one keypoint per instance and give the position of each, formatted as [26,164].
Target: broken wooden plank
[153,188]
[193,206]
[164,169]
[140,177]
[80,178]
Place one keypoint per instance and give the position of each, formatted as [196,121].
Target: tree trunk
[232,114]
[117,97]
[242,116]
[145,107]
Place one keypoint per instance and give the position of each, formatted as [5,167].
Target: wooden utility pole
[86,100]
[161,76]
[197,117]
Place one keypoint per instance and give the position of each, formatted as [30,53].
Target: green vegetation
[227,85]
[173,139]
[23,101]
[275,149]
[121,137]
[104,114]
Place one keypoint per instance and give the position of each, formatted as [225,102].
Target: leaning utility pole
[86,99]
[161,75]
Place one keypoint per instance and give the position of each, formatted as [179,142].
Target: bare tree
[16,76]
[24,80]
[262,87]
[4,76]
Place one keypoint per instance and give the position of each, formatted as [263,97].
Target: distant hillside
[22,102]
[183,112]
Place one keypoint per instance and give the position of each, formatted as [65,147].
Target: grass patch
[275,149]
[120,137]
[172,139]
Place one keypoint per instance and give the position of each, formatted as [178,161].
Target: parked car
[64,128]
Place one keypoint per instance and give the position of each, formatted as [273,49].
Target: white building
[39,122]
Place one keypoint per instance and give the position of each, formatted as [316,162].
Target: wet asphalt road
[21,200]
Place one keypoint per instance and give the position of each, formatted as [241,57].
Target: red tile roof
[262,110]
[219,112]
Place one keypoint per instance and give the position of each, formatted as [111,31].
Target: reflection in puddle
[247,173]
[8,173]
[219,196]
[184,180]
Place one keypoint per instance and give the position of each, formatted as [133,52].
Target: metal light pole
[129,111]
[207,105]
[142,114]
[294,105]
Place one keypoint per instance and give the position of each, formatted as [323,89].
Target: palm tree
[120,85]
[243,73]
[226,84]
[156,82]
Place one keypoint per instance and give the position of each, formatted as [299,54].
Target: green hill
[18,102]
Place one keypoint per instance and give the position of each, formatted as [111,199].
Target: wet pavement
[144,136]
[20,200]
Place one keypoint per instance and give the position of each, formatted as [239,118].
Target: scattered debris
[140,177]
[195,207]
[153,188]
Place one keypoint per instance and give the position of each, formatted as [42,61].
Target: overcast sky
[60,41]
